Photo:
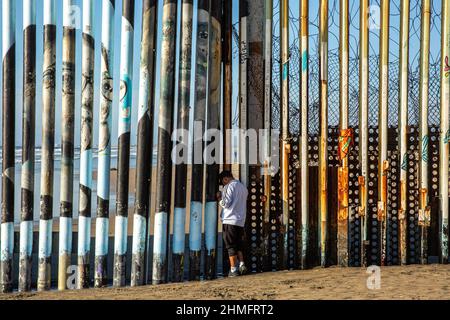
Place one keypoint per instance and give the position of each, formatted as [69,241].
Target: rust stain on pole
[363,126]
[345,137]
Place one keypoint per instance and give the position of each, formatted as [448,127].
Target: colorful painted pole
[424,208]
[164,163]
[184,100]
[67,151]
[144,142]
[123,160]
[48,144]
[104,146]
[403,126]
[323,144]
[285,146]
[227,27]
[304,191]
[8,144]
[243,94]
[212,151]
[383,163]
[363,127]
[345,137]
[445,131]
[201,77]
[267,124]
[28,143]
[87,118]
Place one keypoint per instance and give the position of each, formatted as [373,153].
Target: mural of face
[107,87]
[68,74]
[202,38]
[123,90]
[49,77]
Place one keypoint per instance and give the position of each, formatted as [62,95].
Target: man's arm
[227,197]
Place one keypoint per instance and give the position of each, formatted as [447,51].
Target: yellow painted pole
[285,146]
[323,115]
[424,209]
[363,125]
[403,125]
[345,137]
[383,164]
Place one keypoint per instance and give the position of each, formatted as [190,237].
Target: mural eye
[107,89]
[49,77]
[123,90]
[203,35]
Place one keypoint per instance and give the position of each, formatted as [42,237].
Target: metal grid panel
[254,225]
[413,233]
[393,198]
[353,200]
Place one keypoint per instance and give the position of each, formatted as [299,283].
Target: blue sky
[294,8]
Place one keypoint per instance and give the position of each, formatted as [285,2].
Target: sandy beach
[414,282]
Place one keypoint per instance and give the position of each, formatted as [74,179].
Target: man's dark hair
[225,174]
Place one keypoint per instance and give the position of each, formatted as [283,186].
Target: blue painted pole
[67,151]
[164,163]
[200,97]
[28,143]
[48,144]
[123,162]
[104,147]
[213,121]
[87,118]
[144,142]
[184,100]
[8,145]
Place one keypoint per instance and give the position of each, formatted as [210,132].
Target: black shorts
[233,236]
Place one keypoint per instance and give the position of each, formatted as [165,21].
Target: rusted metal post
[403,126]
[144,142]
[164,163]
[304,183]
[48,144]
[424,208]
[28,143]
[67,149]
[104,146]
[383,163]
[87,135]
[267,123]
[445,131]
[323,137]
[345,137]
[123,158]
[184,101]
[363,126]
[285,141]
[243,94]
[255,124]
[227,32]
[8,144]
[200,96]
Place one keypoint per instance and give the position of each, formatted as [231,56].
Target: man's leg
[233,261]
[231,248]
[242,267]
[240,256]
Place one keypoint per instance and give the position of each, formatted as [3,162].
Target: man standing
[233,200]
